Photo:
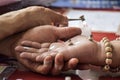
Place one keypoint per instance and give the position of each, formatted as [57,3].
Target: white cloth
[105,21]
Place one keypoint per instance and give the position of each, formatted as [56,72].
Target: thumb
[67,32]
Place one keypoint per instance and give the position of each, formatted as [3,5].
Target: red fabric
[99,35]
[109,78]
[34,76]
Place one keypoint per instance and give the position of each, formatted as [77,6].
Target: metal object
[80,18]
[73,19]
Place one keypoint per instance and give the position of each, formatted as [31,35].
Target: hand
[41,35]
[45,65]
[21,20]
[62,53]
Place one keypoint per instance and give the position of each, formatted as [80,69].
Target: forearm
[98,58]
[116,53]
[23,19]
[92,52]
[17,21]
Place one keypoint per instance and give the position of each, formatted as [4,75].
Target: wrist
[109,57]
[99,56]
[115,56]
[95,57]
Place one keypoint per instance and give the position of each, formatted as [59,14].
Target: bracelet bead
[107,44]
[108,52]
[106,40]
[108,61]
[106,68]
[108,49]
[109,55]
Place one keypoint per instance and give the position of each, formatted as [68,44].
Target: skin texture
[85,51]
[46,33]
[62,52]
[15,23]
[21,20]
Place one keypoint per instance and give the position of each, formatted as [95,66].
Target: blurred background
[81,4]
[101,15]
[87,4]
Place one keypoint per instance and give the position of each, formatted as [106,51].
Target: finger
[58,18]
[26,49]
[67,32]
[71,64]
[42,50]
[64,21]
[42,56]
[31,44]
[46,67]
[59,63]
[61,22]
[45,45]
[39,67]
[29,56]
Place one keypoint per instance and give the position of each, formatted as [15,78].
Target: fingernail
[48,61]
